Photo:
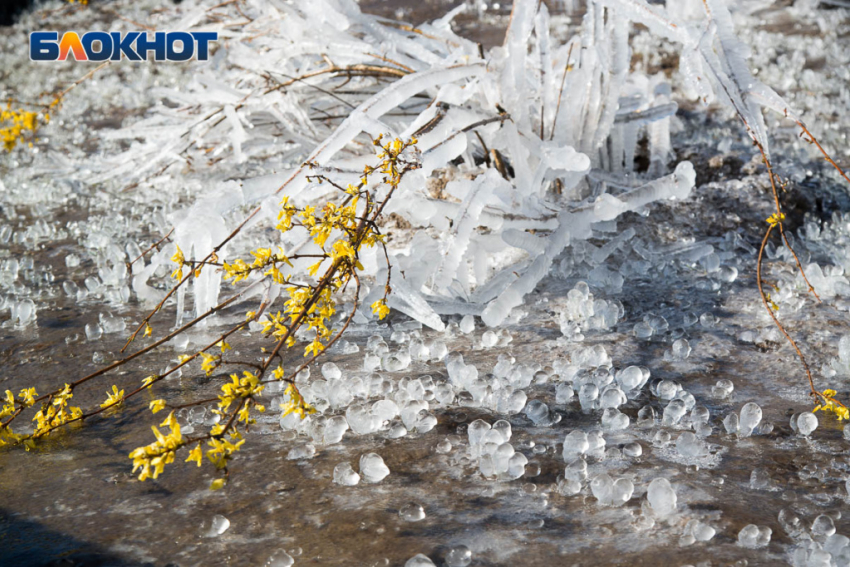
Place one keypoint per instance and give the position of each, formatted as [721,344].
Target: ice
[612,397]
[681,349]
[632,449]
[564,393]
[791,523]
[24,312]
[666,389]
[749,420]
[396,431]
[614,420]
[722,389]
[689,445]
[218,525]
[806,423]
[303,451]
[587,396]
[345,475]
[575,444]
[696,531]
[331,371]
[361,419]
[595,442]
[372,468]
[443,447]
[610,492]
[568,487]
[503,428]
[280,558]
[661,497]
[333,430]
[412,512]
[395,361]
[419,560]
[754,537]
[674,412]
[630,378]
[646,416]
[93,331]
[823,526]
[467,324]
[642,330]
[458,556]
[538,413]
[731,423]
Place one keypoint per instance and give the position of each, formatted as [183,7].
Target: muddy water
[73,501]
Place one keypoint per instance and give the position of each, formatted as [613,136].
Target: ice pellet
[218,526]
[731,424]
[749,420]
[661,497]
[722,389]
[807,422]
[673,413]
[412,512]
[280,559]
[575,444]
[754,537]
[372,467]
[614,420]
[305,451]
[458,556]
[681,349]
[419,560]
[689,445]
[345,475]
[467,324]
[823,526]
[632,449]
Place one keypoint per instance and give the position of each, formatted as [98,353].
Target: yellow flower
[775,219]
[833,406]
[342,249]
[315,267]
[148,330]
[210,362]
[217,484]
[295,403]
[195,455]
[28,396]
[114,398]
[149,380]
[261,256]
[171,422]
[315,347]
[380,308]
[180,260]
[156,405]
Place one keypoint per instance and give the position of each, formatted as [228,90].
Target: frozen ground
[672,272]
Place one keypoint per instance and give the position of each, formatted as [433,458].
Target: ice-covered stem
[829,403]
[340,231]
[768,305]
[812,140]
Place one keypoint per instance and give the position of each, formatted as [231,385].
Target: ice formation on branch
[526,148]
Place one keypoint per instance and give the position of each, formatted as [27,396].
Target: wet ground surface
[73,501]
